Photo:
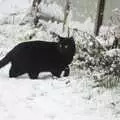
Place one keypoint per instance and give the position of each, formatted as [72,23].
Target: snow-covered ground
[49,99]
[67,98]
[70,98]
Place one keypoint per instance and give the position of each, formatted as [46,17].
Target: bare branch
[66,13]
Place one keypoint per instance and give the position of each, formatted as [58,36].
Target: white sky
[10,6]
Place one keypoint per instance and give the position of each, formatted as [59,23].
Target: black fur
[39,56]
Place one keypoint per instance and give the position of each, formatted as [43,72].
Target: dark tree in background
[36,3]
[38,14]
[99,17]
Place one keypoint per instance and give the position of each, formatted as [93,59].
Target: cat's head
[66,46]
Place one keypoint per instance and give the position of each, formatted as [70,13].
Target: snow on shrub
[95,56]
[88,50]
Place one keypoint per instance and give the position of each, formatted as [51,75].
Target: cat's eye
[60,46]
[66,46]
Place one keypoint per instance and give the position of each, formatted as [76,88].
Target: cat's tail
[5,60]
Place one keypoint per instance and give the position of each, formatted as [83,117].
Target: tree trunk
[36,3]
[99,17]
[66,13]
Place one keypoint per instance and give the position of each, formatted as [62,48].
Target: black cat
[39,56]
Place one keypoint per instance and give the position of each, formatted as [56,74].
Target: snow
[88,25]
[52,10]
[67,98]
[12,6]
[46,99]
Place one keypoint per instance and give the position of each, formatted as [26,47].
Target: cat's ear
[59,38]
[71,38]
